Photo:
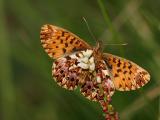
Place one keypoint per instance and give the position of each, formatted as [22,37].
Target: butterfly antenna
[90,31]
[123,44]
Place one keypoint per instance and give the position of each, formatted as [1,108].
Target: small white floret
[91,60]
[83,65]
[92,67]
[72,67]
[87,53]
[73,56]
[106,72]
[80,55]
[84,59]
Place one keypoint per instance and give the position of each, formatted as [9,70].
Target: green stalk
[107,19]
[105,15]
[115,36]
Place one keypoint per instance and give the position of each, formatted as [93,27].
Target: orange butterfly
[78,64]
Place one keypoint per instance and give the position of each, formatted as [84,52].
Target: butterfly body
[97,74]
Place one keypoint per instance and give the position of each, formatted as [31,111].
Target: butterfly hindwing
[57,41]
[71,70]
[126,74]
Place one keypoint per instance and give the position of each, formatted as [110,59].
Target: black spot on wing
[116,75]
[64,50]
[66,44]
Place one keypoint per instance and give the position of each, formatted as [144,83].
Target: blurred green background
[27,91]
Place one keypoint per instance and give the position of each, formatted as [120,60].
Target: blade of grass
[6,85]
[139,103]
[120,20]
[107,20]
[105,15]
[114,34]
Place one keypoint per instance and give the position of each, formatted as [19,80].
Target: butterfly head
[97,50]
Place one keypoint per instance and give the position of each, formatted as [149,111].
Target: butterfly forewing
[126,74]
[57,41]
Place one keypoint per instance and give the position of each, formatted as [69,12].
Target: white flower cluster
[86,61]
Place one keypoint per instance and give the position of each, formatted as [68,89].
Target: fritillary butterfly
[97,74]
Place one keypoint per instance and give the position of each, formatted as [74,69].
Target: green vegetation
[27,91]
